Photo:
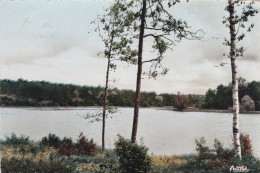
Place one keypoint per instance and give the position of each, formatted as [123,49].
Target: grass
[166,160]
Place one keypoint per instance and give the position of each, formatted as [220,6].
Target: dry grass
[166,160]
[87,166]
[9,152]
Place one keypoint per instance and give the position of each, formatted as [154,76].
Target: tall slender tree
[117,47]
[151,20]
[235,23]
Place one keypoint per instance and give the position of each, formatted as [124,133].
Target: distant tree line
[220,98]
[42,93]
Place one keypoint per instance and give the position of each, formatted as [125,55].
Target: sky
[54,41]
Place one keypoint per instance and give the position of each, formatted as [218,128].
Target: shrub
[51,141]
[27,165]
[67,147]
[32,148]
[221,159]
[217,158]
[214,160]
[247,103]
[17,165]
[132,157]
[246,146]
[223,153]
[252,163]
[85,146]
[181,101]
[16,140]
[20,144]
[204,152]
[110,163]
[51,166]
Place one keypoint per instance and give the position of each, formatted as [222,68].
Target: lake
[162,131]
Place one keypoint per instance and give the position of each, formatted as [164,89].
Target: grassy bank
[61,155]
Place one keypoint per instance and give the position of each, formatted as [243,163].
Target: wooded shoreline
[45,94]
[169,108]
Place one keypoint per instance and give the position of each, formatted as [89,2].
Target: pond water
[162,131]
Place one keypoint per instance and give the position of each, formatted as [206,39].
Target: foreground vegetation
[53,154]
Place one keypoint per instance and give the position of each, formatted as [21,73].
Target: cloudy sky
[54,41]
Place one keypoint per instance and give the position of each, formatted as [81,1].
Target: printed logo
[238,169]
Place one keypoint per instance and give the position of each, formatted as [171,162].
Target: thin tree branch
[151,60]
[153,35]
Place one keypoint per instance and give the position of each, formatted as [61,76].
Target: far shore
[169,108]
[192,109]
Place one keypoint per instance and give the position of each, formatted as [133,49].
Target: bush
[16,140]
[85,146]
[247,103]
[214,160]
[205,153]
[223,153]
[220,159]
[20,144]
[110,163]
[252,163]
[246,146]
[67,147]
[203,150]
[181,101]
[132,157]
[217,159]
[24,165]
[51,141]
[17,165]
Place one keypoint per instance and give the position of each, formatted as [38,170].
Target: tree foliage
[247,103]
[151,20]
[20,93]
[111,31]
[220,98]
[162,29]
[181,101]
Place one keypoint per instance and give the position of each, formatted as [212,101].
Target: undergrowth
[55,154]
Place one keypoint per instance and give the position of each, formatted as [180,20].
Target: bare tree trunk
[139,73]
[105,93]
[105,105]
[235,98]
